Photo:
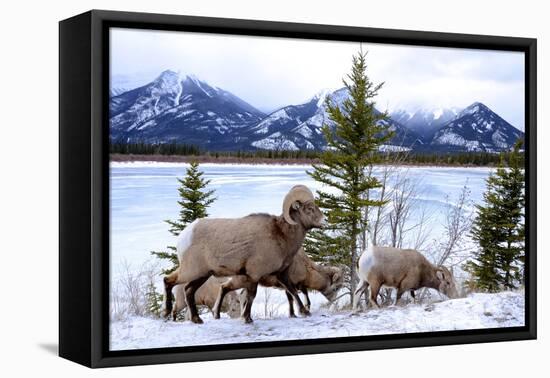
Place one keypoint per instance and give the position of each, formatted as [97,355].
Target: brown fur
[307,275]
[248,248]
[403,269]
[206,296]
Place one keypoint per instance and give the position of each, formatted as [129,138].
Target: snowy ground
[474,312]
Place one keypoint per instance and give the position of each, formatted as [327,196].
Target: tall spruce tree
[194,201]
[499,227]
[353,136]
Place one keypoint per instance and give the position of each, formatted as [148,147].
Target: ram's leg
[250,295]
[291,313]
[306,296]
[180,302]
[398,296]
[190,290]
[374,289]
[413,295]
[170,281]
[234,283]
[361,289]
[290,288]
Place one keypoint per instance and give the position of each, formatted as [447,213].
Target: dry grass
[128,294]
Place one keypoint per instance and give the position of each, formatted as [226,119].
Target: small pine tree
[154,300]
[499,228]
[353,140]
[194,201]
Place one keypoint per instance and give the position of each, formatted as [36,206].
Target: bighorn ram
[305,274]
[403,269]
[247,248]
[206,296]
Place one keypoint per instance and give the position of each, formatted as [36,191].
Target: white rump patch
[185,238]
[366,262]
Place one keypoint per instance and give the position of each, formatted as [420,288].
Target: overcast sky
[272,72]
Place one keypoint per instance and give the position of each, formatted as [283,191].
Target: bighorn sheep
[306,274]
[247,248]
[206,296]
[403,269]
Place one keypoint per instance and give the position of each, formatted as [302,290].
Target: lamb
[403,269]
[306,274]
[206,296]
[247,248]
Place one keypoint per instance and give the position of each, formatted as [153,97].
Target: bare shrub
[130,289]
[270,308]
[453,248]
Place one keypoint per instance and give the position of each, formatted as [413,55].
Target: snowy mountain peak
[425,121]
[476,107]
[477,128]
[167,76]
[320,97]
[175,108]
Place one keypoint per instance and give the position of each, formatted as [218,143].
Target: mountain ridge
[176,108]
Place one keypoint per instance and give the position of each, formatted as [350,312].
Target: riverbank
[130,158]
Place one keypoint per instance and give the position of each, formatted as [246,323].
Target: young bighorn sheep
[307,275]
[247,248]
[403,269]
[206,296]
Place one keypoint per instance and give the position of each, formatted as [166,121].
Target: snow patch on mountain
[274,142]
[454,139]
[304,131]
[392,148]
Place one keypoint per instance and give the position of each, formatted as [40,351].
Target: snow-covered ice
[477,311]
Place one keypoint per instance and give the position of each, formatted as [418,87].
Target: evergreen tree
[194,201]
[353,138]
[154,300]
[499,227]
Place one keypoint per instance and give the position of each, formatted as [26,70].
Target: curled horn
[297,193]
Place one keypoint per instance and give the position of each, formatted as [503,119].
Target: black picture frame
[84,187]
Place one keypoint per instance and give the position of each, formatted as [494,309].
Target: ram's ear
[440,275]
[296,205]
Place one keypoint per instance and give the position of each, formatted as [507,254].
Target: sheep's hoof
[216,316]
[248,321]
[305,312]
[291,315]
[196,319]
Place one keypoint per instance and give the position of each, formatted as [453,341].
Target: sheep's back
[227,243]
[391,265]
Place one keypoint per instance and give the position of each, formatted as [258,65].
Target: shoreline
[230,160]
[132,158]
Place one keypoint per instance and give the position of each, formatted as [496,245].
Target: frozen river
[143,195]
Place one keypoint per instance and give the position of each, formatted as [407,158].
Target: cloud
[273,72]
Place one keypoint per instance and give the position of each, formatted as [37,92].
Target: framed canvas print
[235,188]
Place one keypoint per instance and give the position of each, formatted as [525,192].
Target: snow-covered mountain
[185,109]
[476,128]
[425,121]
[180,109]
[300,126]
